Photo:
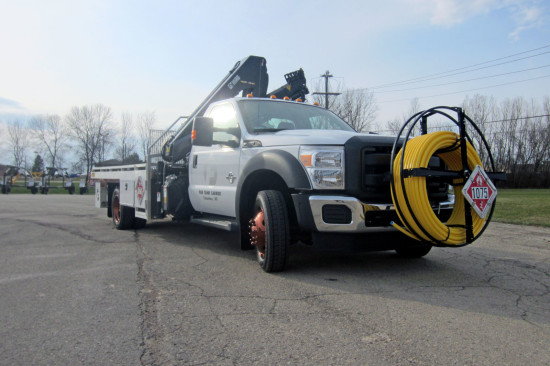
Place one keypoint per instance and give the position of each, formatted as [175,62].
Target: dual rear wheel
[123,216]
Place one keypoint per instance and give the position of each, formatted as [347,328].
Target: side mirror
[203,131]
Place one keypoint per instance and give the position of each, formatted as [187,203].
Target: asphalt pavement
[75,291]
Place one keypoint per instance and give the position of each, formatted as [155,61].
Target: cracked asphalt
[74,291]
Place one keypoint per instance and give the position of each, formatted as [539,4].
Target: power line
[486,122]
[326,75]
[455,82]
[465,91]
[430,77]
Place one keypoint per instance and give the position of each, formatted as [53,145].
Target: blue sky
[166,56]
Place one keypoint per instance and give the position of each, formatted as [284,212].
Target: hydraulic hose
[410,195]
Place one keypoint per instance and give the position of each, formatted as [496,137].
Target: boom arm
[248,75]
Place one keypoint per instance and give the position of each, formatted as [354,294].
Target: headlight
[325,166]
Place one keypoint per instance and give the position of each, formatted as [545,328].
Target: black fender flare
[280,162]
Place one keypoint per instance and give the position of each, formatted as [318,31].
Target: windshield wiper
[269,129]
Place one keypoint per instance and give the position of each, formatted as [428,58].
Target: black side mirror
[203,131]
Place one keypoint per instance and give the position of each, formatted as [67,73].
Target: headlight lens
[325,166]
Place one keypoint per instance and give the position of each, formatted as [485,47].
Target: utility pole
[326,75]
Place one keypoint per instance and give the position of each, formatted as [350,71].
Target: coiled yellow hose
[418,152]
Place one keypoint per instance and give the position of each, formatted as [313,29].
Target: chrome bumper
[358,209]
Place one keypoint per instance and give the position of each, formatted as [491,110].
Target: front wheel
[123,216]
[417,251]
[269,230]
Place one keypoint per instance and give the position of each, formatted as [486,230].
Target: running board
[216,222]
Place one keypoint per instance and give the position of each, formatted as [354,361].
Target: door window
[226,125]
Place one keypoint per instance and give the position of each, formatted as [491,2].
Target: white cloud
[526,14]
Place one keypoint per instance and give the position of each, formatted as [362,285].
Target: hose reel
[409,171]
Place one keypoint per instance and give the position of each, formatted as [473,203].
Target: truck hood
[303,137]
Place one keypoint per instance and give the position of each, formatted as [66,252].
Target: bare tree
[481,110]
[393,126]
[145,123]
[358,108]
[18,141]
[90,126]
[51,134]
[125,138]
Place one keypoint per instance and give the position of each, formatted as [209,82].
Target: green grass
[523,207]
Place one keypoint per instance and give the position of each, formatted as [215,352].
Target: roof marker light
[249,95]
[286,98]
[273,96]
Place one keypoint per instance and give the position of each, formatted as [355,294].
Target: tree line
[85,136]
[517,131]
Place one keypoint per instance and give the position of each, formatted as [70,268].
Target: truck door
[214,170]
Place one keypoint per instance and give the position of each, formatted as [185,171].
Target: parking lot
[75,291]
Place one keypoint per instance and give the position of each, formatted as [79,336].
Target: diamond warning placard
[479,191]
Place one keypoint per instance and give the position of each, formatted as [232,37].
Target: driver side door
[214,169]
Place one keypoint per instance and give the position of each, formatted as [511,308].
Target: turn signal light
[249,95]
[194,135]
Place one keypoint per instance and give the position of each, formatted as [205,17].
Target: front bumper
[346,214]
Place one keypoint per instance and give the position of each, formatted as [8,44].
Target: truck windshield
[269,116]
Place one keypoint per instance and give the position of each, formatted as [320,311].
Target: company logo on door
[140,191]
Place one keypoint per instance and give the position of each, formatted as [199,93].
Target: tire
[139,223]
[413,251]
[83,190]
[270,218]
[4,189]
[123,216]
[34,190]
[71,189]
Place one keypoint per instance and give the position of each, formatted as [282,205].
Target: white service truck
[277,170]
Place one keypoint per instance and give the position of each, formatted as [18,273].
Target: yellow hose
[418,152]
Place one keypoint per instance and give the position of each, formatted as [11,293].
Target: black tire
[139,223]
[34,190]
[71,189]
[123,216]
[272,253]
[4,189]
[83,190]
[413,251]
[44,190]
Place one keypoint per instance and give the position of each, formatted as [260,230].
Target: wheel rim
[257,233]
[116,209]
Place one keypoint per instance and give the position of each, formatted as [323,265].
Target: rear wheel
[123,216]
[269,230]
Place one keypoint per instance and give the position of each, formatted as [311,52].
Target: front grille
[376,173]
[336,214]
[368,170]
